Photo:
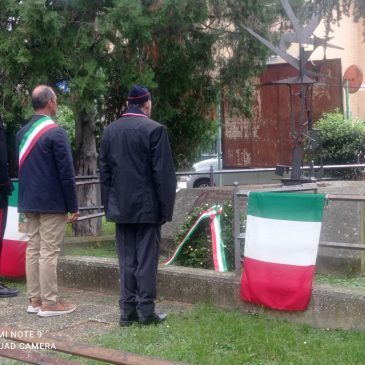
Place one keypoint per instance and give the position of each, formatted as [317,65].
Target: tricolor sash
[30,138]
[219,257]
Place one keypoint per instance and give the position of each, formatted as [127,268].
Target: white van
[249,176]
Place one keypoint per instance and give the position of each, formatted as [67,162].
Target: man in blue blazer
[47,194]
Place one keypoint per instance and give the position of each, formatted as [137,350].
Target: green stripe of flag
[286,206]
[13,198]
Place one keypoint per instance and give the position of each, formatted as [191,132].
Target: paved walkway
[96,314]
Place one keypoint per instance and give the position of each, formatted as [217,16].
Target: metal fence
[94,179]
[91,180]
[310,170]
[239,193]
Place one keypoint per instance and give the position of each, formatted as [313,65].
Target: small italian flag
[282,237]
[12,259]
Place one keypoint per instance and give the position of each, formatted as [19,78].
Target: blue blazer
[5,185]
[47,176]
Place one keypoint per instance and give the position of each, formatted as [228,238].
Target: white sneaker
[34,307]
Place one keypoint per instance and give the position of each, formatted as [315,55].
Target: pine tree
[186,51]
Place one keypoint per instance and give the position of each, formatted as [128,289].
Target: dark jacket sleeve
[65,168]
[163,172]
[4,176]
[105,172]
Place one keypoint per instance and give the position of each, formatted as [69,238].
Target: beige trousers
[46,233]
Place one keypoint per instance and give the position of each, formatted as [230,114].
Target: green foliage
[66,119]
[333,10]
[197,251]
[343,140]
[182,50]
[186,51]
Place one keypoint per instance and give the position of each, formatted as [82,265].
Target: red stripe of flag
[277,286]
[12,259]
[1,223]
[214,242]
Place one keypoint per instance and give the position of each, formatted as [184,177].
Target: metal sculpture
[301,130]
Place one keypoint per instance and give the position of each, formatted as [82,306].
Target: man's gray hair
[42,97]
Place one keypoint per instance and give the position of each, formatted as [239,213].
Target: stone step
[330,307]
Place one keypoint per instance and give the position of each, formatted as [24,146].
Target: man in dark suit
[5,190]
[138,185]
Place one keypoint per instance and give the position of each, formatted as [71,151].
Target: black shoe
[154,318]
[126,321]
[6,292]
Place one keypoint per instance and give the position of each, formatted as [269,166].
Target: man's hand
[72,218]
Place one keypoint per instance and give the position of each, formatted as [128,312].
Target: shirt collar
[133,111]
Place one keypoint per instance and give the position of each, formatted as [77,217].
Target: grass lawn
[209,336]
[107,249]
[353,282]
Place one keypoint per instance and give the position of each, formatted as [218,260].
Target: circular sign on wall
[354,76]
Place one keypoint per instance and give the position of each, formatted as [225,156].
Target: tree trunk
[86,165]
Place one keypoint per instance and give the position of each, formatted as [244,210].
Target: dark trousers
[138,248]
[4,209]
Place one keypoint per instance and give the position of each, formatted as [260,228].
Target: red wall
[265,139]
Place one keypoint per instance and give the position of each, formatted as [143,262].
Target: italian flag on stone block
[282,237]
[12,259]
